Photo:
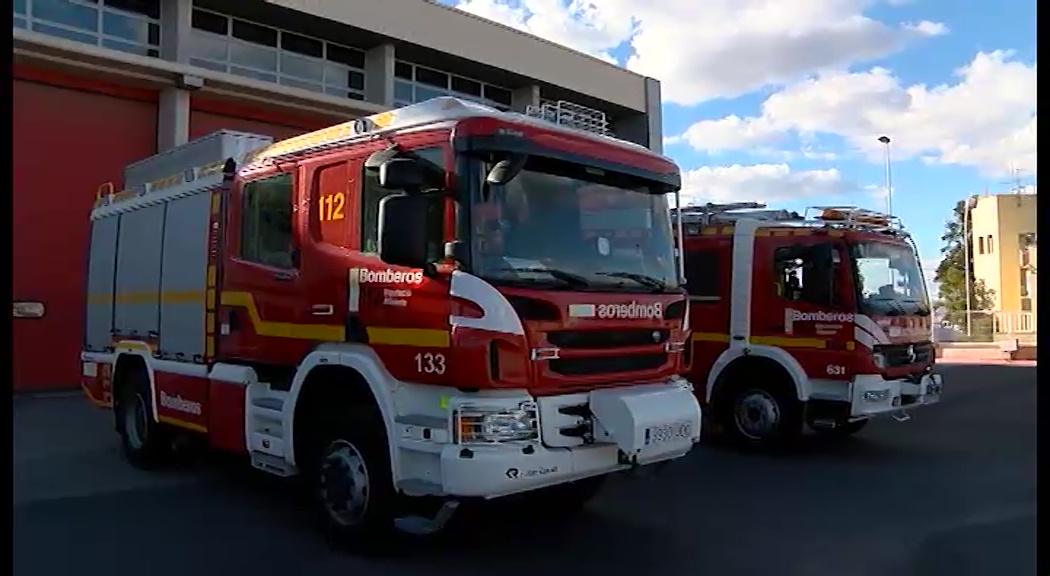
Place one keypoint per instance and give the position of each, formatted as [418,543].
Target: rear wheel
[144,441]
[766,415]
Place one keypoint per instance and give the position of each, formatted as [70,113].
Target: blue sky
[783,101]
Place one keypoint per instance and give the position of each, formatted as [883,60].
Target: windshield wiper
[920,308]
[647,281]
[898,311]
[567,277]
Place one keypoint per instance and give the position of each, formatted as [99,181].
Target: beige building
[1003,233]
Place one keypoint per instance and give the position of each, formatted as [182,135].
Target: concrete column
[379,75]
[654,114]
[522,98]
[175,25]
[173,118]
[644,128]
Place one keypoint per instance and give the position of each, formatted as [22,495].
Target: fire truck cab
[820,319]
[436,303]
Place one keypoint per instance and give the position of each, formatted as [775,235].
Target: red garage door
[211,115]
[66,141]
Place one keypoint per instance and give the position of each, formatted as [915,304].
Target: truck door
[265,313]
[800,304]
[404,315]
[708,271]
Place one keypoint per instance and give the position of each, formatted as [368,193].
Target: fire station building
[99,84]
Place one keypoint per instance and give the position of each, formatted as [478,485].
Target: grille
[897,354]
[607,365]
[598,339]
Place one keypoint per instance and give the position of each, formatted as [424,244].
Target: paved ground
[950,492]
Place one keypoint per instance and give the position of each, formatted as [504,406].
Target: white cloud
[716,48]
[760,183]
[987,119]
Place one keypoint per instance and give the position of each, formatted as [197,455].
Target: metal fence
[986,326]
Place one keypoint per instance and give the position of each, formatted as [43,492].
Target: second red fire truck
[441,301]
[820,319]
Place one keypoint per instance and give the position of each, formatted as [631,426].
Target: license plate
[668,433]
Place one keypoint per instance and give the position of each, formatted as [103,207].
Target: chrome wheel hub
[344,483]
[757,414]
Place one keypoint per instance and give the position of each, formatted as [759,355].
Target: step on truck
[820,320]
[432,304]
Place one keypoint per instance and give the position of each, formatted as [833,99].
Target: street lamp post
[889,174]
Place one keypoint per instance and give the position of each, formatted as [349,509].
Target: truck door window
[372,193]
[703,275]
[807,273]
[266,221]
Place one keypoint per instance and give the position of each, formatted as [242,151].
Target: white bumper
[634,425]
[872,395]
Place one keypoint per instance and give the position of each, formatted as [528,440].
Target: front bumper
[872,395]
[633,425]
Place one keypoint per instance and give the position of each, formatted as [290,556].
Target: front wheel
[352,482]
[761,416]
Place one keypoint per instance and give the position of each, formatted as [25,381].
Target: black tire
[145,442]
[760,415]
[840,430]
[351,481]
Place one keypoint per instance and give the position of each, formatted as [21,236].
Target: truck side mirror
[405,229]
[402,174]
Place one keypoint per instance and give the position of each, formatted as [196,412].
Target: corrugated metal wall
[69,136]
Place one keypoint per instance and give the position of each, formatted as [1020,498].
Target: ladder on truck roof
[712,213]
[839,217]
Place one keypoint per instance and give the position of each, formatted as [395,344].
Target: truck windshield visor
[889,280]
[560,225]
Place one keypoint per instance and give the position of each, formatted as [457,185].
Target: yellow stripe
[781,341]
[182,424]
[789,342]
[133,345]
[422,337]
[324,332]
[147,298]
[710,337]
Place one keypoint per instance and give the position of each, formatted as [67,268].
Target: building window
[236,46]
[988,244]
[414,84]
[266,221]
[131,26]
[980,244]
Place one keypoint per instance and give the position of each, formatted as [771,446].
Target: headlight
[879,359]
[476,425]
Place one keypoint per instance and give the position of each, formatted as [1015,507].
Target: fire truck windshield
[562,226]
[888,279]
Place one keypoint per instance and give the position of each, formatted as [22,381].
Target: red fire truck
[821,319]
[435,303]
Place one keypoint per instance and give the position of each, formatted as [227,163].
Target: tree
[951,276]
